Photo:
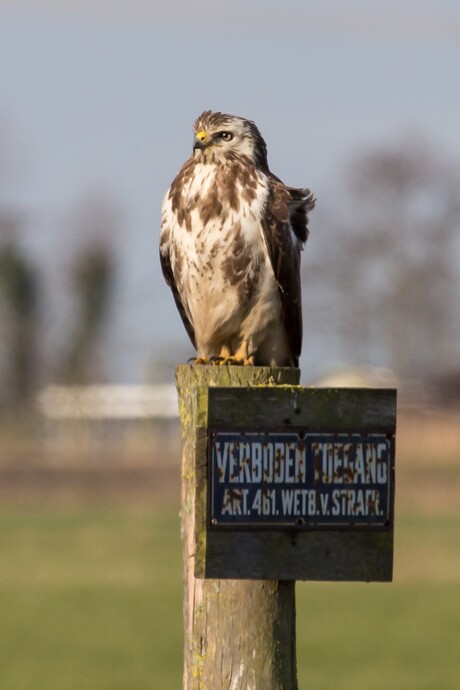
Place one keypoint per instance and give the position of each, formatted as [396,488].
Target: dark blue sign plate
[300,479]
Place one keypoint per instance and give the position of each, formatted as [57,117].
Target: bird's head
[219,136]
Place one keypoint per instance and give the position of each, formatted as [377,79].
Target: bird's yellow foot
[216,361]
[232,361]
[198,360]
[239,359]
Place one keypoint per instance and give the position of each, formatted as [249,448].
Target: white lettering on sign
[355,502]
[300,478]
[298,502]
[252,463]
[352,463]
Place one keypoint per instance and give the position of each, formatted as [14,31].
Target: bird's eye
[226,136]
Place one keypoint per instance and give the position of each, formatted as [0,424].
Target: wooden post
[238,634]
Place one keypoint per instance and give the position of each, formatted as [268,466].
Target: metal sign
[299,479]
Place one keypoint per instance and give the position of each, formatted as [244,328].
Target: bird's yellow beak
[200,140]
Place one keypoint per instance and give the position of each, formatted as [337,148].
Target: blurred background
[358,101]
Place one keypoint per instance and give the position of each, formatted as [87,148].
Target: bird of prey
[230,242]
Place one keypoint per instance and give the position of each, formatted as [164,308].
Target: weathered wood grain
[321,409]
[333,555]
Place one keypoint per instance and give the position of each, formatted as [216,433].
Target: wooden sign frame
[352,553]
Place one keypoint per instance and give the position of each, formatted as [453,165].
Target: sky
[98,99]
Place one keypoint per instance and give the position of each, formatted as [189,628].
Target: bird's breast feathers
[219,260]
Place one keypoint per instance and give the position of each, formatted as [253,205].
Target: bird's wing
[166,267]
[285,227]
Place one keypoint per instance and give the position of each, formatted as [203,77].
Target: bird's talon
[233,362]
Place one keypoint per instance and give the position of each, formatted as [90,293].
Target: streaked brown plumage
[231,236]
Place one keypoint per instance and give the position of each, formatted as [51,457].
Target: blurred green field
[92,599]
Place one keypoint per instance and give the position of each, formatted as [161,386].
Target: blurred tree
[19,297]
[92,280]
[392,267]
[94,224]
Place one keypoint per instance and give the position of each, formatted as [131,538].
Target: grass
[89,600]
[92,599]
[378,637]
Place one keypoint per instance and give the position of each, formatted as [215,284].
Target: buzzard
[231,236]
